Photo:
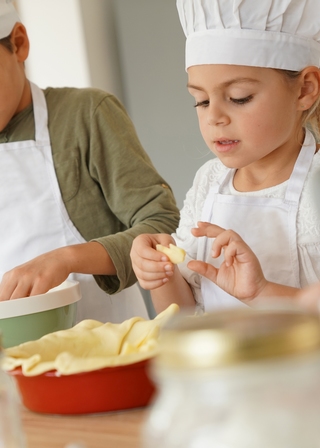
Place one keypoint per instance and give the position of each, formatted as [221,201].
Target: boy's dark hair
[6,42]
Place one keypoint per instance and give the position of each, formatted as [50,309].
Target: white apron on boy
[267,225]
[34,219]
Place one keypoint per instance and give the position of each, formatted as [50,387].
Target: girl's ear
[20,42]
[309,87]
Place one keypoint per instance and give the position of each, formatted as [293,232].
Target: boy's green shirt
[109,186]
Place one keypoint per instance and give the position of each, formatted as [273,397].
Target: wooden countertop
[114,430]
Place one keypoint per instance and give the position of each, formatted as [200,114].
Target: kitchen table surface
[114,430]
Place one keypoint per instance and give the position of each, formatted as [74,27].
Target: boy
[76,188]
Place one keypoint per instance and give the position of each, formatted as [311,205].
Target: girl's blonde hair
[310,117]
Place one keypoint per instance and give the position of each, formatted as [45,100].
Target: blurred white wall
[72,43]
[98,21]
[57,42]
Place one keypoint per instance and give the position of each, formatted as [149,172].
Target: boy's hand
[152,268]
[34,277]
[52,268]
[240,273]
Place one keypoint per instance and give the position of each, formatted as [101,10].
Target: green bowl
[30,318]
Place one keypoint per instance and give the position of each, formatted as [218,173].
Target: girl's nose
[216,115]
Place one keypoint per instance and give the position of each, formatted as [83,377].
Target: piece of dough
[176,254]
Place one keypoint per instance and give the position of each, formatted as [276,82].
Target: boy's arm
[110,188]
[52,268]
[139,199]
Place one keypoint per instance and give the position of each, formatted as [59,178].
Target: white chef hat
[282,34]
[8,17]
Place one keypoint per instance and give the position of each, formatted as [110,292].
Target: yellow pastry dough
[176,254]
[89,345]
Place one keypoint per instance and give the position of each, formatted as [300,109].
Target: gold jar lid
[233,336]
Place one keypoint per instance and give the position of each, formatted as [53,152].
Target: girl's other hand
[152,268]
[240,273]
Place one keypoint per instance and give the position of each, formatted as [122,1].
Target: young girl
[253,70]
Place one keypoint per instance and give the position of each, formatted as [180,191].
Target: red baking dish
[103,390]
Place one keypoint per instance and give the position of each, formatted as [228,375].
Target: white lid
[65,294]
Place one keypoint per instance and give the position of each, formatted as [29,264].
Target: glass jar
[11,434]
[237,379]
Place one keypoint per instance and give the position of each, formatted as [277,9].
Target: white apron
[267,225]
[34,219]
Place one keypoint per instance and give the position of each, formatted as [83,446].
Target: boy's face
[246,114]
[14,88]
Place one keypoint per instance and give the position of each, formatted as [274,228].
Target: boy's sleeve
[137,197]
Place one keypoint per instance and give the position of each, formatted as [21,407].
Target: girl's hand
[152,268]
[240,273]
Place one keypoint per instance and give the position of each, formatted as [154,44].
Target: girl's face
[246,114]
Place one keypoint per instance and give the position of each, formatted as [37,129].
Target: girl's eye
[241,101]
[202,103]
